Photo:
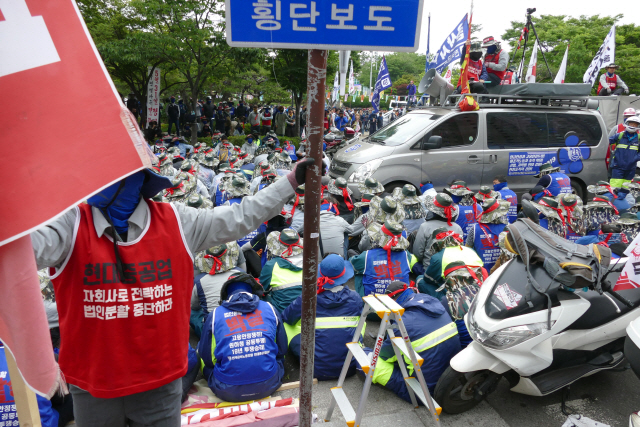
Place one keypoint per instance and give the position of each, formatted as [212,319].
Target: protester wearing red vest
[611,83]
[496,61]
[476,71]
[117,299]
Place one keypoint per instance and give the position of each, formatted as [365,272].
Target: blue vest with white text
[486,244]
[560,184]
[245,345]
[376,275]
[466,219]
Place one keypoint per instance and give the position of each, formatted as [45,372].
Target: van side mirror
[433,143]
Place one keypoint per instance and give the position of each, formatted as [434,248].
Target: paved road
[607,397]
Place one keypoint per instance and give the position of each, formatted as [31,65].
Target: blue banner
[528,162]
[451,48]
[383,82]
[304,24]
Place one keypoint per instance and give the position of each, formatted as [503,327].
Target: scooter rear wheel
[456,392]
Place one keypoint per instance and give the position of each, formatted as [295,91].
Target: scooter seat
[602,309]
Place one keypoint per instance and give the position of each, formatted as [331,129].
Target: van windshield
[400,130]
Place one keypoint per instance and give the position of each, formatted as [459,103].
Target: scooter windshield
[513,295]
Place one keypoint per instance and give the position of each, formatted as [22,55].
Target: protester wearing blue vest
[234,190]
[484,236]
[501,186]
[243,343]
[338,312]
[469,209]
[553,180]
[388,260]
[610,236]
[433,336]
[573,214]
[281,276]
[625,155]
[550,215]
[442,213]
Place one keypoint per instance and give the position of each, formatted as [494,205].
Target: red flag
[65,115]
[467,103]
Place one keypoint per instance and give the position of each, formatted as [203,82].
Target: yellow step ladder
[387,309]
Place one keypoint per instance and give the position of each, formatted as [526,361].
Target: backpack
[566,263]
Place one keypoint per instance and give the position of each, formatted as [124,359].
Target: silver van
[441,145]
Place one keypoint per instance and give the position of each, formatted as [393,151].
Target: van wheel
[390,187]
[577,189]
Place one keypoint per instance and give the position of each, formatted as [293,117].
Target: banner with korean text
[153,96]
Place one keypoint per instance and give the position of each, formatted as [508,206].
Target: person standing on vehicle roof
[626,155]
[610,83]
[496,61]
[554,181]
[476,71]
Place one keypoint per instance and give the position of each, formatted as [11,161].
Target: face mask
[492,49]
[249,140]
[173,100]
[120,200]
[209,102]
[475,55]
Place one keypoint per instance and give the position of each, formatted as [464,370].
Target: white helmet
[632,129]
[629,112]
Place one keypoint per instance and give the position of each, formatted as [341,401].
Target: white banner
[533,61]
[352,80]
[563,68]
[606,55]
[335,95]
[153,96]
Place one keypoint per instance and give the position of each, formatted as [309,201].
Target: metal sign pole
[316,76]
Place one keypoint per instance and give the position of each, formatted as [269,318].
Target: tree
[585,36]
[126,50]
[193,40]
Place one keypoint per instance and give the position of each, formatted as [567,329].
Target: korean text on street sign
[304,24]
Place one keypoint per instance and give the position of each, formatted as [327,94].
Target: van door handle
[493,158]
[473,159]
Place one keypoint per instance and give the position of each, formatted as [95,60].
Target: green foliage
[585,36]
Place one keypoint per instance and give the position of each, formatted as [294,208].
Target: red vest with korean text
[495,58]
[120,338]
[612,82]
[475,69]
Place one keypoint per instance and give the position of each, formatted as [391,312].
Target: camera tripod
[529,26]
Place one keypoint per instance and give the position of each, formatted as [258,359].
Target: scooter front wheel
[458,392]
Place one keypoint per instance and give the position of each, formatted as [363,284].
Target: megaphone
[435,85]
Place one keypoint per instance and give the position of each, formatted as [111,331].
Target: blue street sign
[387,25]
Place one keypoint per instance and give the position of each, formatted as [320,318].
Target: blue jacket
[225,347]
[626,154]
[341,123]
[411,89]
[424,315]
[330,348]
